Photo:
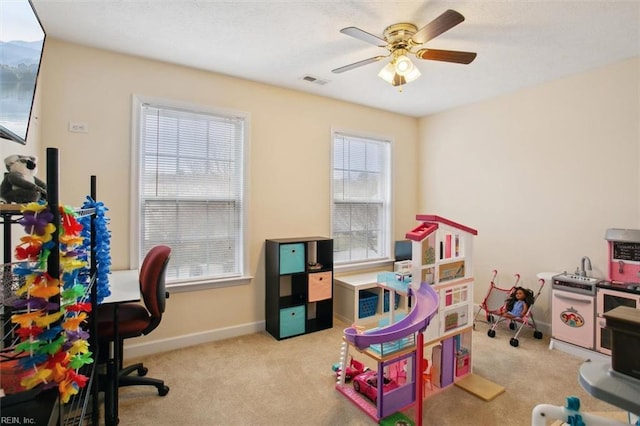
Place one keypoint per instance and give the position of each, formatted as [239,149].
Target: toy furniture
[571,415]
[426,375]
[359,298]
[601,381]
[496,306]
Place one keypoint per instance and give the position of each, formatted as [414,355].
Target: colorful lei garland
[53,344]
[102,244]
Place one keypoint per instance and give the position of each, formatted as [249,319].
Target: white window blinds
[191,190]
[361,198]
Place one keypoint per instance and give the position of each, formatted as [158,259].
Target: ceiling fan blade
[433,29]
[364,36]
[357,64]
[446,55]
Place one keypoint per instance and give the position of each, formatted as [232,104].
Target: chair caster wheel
[512,326]
[491,333]
[514,342]
[142,371]
[537,334]
[163,390]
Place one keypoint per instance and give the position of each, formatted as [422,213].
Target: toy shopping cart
[498,306]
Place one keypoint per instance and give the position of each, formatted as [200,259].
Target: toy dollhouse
[437,326]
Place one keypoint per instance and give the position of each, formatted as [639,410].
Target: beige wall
[290,150]
[541,174]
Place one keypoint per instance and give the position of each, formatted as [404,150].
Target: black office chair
[136,320]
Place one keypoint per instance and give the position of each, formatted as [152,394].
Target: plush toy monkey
[20,185]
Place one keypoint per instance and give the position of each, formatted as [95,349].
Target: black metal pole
[53,265]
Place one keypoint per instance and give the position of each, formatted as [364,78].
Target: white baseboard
[578,351]
[157,346]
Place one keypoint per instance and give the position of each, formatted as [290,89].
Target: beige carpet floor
[256,380]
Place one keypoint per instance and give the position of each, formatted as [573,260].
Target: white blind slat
[361,198]
[191,190]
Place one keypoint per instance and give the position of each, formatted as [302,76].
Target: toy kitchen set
[579,302]
[622,287]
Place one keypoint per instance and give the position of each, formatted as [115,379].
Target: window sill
[187,286]
[356,267]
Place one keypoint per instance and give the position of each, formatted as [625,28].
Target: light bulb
[403,65]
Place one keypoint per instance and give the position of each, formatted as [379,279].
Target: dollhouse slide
[424,308]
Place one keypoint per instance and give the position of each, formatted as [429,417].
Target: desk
[346,297]
[125,287]
[597,378]
[346,300]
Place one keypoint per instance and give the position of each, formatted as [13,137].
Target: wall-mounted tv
[21,44]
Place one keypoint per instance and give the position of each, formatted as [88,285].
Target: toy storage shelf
[299,286]
[359,299]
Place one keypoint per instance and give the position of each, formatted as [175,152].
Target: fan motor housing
[399,35]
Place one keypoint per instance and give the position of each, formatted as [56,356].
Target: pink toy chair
[397,371]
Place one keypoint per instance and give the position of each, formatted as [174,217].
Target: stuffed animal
[20,185]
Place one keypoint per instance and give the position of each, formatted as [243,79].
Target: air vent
[315,80]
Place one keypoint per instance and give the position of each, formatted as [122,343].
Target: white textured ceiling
[519,43]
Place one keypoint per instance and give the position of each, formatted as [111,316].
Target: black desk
[125,287]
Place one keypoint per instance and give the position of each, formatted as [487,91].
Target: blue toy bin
[368,304]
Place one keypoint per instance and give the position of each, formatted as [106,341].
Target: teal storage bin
[292,321]
[291,258]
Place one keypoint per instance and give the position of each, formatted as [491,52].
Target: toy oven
[610,296]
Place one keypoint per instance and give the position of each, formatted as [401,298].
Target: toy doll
[518,303]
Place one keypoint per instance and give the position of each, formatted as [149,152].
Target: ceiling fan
[403,39]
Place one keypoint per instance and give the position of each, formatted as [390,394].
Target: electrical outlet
[76,127]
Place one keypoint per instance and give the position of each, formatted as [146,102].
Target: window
[190,190]
[361,198]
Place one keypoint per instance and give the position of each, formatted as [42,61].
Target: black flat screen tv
[21,45]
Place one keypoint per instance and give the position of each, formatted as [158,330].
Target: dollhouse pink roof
[430,223]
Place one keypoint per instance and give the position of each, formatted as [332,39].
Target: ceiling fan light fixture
[388,73]
[398,81]
[391,75]
[403,65]
[412,75]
